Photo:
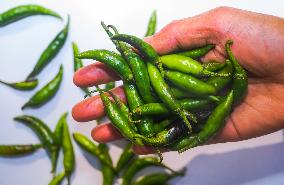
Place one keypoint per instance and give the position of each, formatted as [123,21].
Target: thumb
[184,34]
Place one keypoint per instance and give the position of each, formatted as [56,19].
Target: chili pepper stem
[183,114]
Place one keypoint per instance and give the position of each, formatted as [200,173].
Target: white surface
[254,162]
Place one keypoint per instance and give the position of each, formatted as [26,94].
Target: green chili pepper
[78,63]
[145,126]
[180,93]
[151,28]
[165,137]
[144,48]
[138,165]
[159,108]
[18,150]
[25,85]
[108,172]
[197,53]
[111,59]
[220,82]
[57,179]
[90,147]
[68,152]
[185,64]
[51,51]
[43,132]
[20,12]
[213,66]
[213,124]
[240,79]
[46,93]
[190,83]
[118,119]
[158,178]
[58,138]
[125,158]
[165,94]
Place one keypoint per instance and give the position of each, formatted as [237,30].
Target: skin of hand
[258,46]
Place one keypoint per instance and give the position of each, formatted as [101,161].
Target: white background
[254,162]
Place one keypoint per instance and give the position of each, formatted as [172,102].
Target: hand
[258,46]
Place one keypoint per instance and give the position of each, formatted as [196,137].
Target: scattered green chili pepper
[25,85]
[46,93]
[78,63]
[190,83]
[107,171]
[125,158]
[68,151]
[197,53]
[151,28]
[110,86]
[57,179]
[18,150]
[43,132]
[111,59]
[158,178]
[162,125]
[51,51]
[22,11]
[240,79]
[118,119]
[58,138]
[138,165]
[213,124]
[90,147]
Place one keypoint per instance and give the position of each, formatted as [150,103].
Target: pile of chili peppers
[174,102]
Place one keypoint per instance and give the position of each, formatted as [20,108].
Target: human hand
[258,45]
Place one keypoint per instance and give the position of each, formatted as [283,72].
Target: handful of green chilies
[212,87]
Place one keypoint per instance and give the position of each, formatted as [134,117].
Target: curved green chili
[125,158]
[78,64]
[190,83]
[18,150]
[213,124]
[111,59]
[157,178]
[240,79]
[89,146]
[58,138]
[51,51]
[107,171]
[151,28]
[162,125]
[24,86]
[68,152]
[46,93]
[118,119]
[57,179]
[19,12]
[198,52]
[43,132]
[138,165]
[165,94]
